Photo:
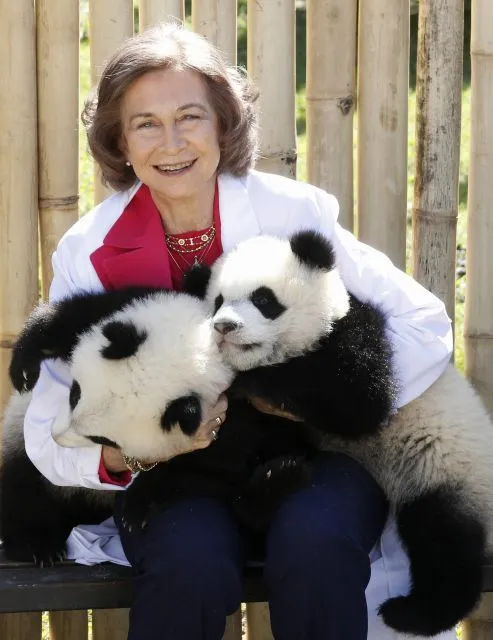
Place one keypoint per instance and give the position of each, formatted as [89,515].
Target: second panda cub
[275,301]
[301,343]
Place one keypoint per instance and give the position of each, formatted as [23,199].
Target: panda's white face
[146,400]
[269,305]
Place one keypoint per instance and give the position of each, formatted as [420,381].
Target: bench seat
[66,586]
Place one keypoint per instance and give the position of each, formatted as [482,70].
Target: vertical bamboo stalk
[65,625]
[58,149]
[438,113]
[258,621]
[330,99]
[110,624]
[20,626]
[58,115]
[110,22]
[383,83]
[478,325]
[19,185]
[216,20]
[153,11]
[271,51]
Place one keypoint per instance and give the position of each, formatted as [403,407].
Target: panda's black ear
[124,340]
[313,250]
[184,411]
[196,280]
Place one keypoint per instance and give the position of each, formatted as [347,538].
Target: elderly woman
[173,129]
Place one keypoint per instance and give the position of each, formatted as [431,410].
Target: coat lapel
[134,250]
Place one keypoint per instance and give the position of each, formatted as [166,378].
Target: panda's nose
[224,327]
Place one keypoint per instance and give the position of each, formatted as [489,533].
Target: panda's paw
[24,373]
[41,550]
[135,515]
[267,488]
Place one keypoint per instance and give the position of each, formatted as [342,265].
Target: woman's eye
[145,125]
[190,116]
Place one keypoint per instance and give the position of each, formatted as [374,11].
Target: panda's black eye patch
[218,303]
[124,339]
[184,411]
[267,303]
[104,441]
[75,393]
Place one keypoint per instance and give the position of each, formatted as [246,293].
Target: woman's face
[170,133]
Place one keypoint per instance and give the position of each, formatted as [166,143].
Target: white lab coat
[258,203]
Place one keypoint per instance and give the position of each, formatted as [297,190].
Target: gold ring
[214,434]
[219,421]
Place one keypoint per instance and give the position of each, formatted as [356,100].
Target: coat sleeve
[418,326]
[61,465]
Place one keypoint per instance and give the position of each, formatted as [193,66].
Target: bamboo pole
[68,625]
[383,83]
[58,116]
[216,20]
[109,624]
[330,99]
[18,212]
[438,113]
[271,49]
[154,11]
[110,22]
[20,626]
[258,621]
[478,324]
[58,146]
[19,185]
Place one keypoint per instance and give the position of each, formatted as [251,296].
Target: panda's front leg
[141,496]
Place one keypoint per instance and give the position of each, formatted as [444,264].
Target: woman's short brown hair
[171,46]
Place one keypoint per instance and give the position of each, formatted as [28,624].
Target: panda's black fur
[433,457]
[254,463]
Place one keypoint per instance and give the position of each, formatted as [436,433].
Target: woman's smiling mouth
[174,169]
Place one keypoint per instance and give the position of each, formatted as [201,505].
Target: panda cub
[145,368]
[298,341]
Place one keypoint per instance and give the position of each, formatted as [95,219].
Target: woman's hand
[179,442]
[265,407]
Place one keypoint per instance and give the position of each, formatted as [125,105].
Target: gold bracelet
[134,465]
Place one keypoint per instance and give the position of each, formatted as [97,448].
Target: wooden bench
[68,586]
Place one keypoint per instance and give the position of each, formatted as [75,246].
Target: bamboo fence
[357,63]
[331,98]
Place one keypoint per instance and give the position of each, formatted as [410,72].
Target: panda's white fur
[268,261]
[125,399]
[433,458]
[444,437]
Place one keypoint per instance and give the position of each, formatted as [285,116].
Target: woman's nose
[172,139]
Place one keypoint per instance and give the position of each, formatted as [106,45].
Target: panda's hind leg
[33,527]
[446,548]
